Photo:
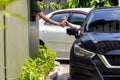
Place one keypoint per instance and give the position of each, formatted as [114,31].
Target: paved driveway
[64,72]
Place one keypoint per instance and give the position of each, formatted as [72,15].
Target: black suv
[95,53]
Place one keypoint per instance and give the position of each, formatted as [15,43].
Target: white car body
[55,36]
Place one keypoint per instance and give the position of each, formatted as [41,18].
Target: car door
[54,36]
[76,17]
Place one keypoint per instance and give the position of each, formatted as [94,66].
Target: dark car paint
[97,42]
[107,44]
[101,41]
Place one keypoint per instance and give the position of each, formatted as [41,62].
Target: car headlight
[82,52]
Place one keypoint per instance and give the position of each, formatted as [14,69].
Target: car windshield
[103,21]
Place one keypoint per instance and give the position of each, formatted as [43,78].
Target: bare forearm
[48,19]
[74,25]
[51,21]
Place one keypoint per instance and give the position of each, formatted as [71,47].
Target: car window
[78,18]
[58,17]
[108,21]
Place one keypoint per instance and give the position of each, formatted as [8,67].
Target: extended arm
[73,25]
[42,15]
[36,11]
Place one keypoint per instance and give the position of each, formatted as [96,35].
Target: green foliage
[77,4]
[6,2]
[100,3]
[88,3]
[53,5]
[50,5]
[38,68]
[8,13]
[72,3]
[3,27]
[5,12]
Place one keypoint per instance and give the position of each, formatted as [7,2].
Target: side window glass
[78,18]
[57,17]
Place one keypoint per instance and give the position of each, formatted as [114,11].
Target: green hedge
[38,68]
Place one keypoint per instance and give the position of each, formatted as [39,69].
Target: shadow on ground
[64,76]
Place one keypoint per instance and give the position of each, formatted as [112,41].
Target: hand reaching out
[73,25]
[63,23]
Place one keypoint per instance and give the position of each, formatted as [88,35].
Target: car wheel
[82,68]
[41,42]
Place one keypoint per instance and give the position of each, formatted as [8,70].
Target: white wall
[16,41]
[2,68]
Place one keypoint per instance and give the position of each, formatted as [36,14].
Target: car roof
[106,8]
[84,10]
[74,9]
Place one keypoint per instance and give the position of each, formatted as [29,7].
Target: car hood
[101,42]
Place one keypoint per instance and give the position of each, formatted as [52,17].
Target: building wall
[2,68]
[33,38]
[14,42]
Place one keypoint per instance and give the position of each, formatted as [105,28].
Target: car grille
[113,60]
[107,46]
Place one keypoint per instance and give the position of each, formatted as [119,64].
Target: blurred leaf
[3,27]
[41,5]
[8,13]
[6,2]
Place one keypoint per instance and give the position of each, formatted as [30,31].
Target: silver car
[55,36]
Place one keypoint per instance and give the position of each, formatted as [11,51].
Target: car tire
[82,69]
[41,42]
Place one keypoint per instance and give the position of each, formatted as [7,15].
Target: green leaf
[6,2]
[3,27]
[8,13]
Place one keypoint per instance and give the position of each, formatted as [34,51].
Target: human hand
[63,23]
[35,14]
[73,25]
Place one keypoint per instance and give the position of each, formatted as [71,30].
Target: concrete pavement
[63,73]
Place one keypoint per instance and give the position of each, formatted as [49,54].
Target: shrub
[38,68]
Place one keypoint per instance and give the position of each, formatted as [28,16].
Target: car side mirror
[73,31]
